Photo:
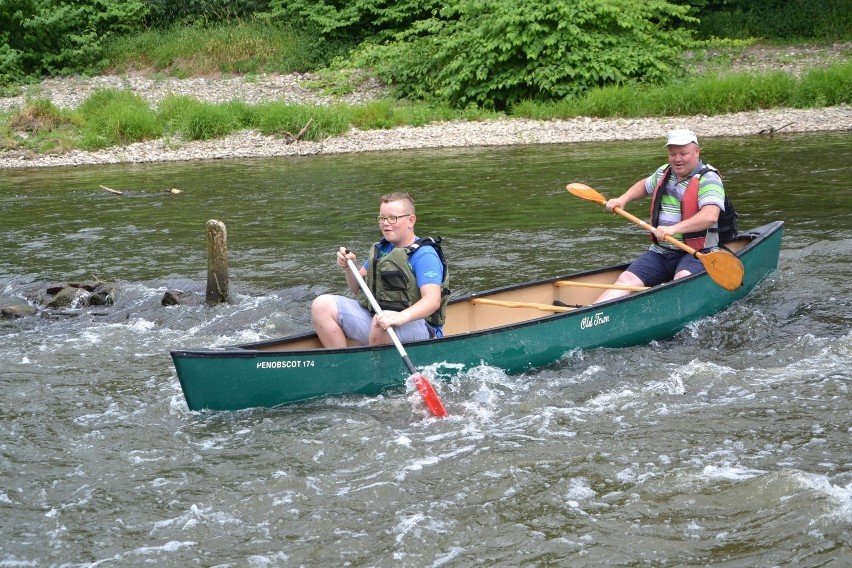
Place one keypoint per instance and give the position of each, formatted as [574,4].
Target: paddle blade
[583,191]
[725,269]
[430,397]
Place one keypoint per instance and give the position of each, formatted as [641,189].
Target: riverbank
[295,88]
[501,132]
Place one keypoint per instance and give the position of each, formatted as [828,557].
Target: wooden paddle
[724,268]
[430,397]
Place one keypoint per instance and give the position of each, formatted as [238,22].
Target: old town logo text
[591,321]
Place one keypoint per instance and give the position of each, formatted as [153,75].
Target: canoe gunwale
[265,348]
[293,369]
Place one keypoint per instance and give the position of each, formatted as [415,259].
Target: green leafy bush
[500,52]
[774,19]
[60,37]
[358,19]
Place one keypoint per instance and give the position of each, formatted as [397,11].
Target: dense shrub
[774,19]
[499,52]
[354,19]
[483,53]
[59,37]
[165,13]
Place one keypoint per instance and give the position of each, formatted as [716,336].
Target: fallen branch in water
[173,190]
[115,191]
[772,130]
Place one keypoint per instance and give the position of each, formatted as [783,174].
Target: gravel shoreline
[69,92]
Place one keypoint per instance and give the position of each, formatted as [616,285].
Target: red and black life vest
[688,205]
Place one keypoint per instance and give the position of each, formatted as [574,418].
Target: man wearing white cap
[688,198]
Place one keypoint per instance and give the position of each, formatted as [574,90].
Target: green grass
[243,48]
[710,95]
[111,117]
[824,87]
[118,117]
[196,120]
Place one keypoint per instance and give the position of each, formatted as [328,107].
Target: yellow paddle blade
[583,191]
[725,269]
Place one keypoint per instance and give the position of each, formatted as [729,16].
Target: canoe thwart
[596,285]
[532,305]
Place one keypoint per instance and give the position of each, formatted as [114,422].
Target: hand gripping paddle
[724,268]
[430,397]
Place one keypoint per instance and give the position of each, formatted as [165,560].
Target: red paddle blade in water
[430,397]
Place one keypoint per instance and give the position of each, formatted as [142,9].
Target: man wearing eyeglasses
[407,275]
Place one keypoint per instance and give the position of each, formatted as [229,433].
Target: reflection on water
[724,445]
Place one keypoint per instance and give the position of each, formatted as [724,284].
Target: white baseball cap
[681,137]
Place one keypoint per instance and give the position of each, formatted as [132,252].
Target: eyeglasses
[392,219]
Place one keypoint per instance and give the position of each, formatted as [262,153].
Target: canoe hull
[260,375]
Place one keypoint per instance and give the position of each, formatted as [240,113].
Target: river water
[727,445]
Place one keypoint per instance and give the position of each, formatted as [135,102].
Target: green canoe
[515,328]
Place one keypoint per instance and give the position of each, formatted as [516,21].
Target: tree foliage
[489,53]
[779,19]
[57,37]
[500,52]
[358,19]
[165,13]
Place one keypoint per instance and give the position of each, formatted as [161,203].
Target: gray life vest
[393,283]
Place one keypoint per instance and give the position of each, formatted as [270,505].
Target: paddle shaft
[670,239]
[378,309]
[430,397]
[583,191]
[724,268]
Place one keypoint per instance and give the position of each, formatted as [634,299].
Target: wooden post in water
[217,262]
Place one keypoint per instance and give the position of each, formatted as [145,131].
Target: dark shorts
[654,268]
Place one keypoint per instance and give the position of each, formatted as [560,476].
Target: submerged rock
[17,309]
[181,298]
[70,296]
[102,295]
[75,295]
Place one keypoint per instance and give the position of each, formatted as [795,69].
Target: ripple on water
[725,445]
